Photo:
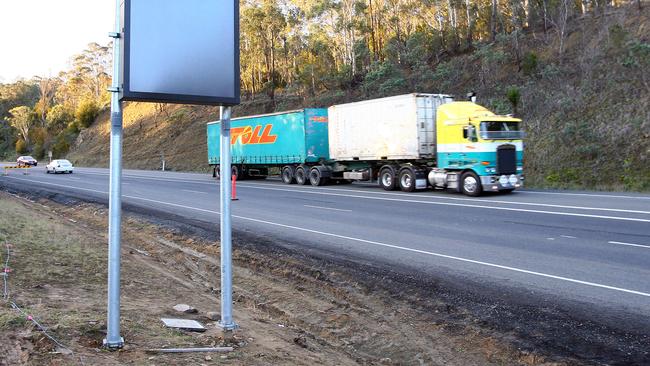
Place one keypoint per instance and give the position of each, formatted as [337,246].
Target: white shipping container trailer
[393,128]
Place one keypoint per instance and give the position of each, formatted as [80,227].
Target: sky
[39,37]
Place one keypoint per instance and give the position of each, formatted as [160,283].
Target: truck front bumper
[495,183]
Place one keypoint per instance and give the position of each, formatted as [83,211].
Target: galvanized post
[226,323]
[113,339]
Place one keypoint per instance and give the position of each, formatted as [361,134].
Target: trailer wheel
[316,177]
[234,172]
[470,184]
[407,180]
[287,175]
[217,172]
[387,179]
[301,176]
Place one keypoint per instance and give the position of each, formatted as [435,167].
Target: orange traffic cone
[234,188]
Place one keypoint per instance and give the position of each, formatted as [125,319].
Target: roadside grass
[47,260]
[44,251]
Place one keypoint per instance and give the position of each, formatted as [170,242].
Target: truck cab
[482,151]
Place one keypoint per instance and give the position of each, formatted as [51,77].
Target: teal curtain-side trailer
[260,143]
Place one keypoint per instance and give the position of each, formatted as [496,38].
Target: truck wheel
[407,180]
[316,178]
[470,184]
[287,175]
[387,179]
[234,172]
[301,176]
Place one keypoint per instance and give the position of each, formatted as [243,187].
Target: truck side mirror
[469,132]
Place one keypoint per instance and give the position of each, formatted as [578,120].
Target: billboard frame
[126,94]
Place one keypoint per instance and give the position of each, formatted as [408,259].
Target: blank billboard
[181,51]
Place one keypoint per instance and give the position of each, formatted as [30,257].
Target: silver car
[59,166]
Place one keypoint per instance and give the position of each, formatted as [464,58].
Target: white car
[59,166]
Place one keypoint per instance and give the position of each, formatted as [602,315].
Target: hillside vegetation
[577,72]
[587,116]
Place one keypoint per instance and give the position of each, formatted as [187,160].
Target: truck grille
[506,159]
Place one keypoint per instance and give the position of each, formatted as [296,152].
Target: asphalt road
[582,248]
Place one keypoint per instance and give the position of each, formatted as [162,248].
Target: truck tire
[234,172]
[316,177]
[470,184]
[407,180]
[301,176]
[217,172]
[287,175]
[387,179]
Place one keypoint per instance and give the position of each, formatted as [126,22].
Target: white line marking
[327,208]
[487,264]
[629,244]
[588,195]
[568,236]
[315,191]
[59,185]
[191,191]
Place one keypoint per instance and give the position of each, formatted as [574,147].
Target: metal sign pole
[113,339]
[226,323]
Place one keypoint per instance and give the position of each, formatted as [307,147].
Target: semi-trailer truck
[408,142]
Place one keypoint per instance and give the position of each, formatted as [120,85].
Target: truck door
[426,113]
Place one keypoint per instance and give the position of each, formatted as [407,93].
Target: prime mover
[407,142]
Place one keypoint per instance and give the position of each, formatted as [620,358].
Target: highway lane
[576,247]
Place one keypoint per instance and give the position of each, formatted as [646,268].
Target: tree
[92,65]
[560,23]
[58,118]
[514,97]
[22,119]
[21,92]
[89,78]
[46,88]
[264,25]
[86,113]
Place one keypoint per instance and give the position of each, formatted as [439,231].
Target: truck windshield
[500,130]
